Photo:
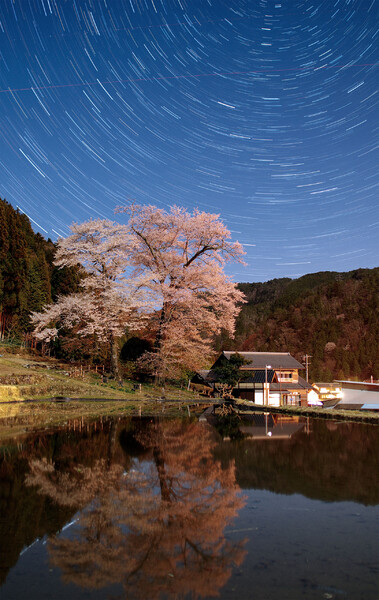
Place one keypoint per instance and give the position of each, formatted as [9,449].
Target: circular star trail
[264,112]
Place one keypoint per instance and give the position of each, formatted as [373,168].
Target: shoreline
[333,414]
[21,417]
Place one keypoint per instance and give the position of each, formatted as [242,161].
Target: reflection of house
[266,378]
[270,427]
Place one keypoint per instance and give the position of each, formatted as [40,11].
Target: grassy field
[25,377]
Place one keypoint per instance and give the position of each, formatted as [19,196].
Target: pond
[269,507]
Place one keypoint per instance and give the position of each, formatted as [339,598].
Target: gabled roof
[259,360]
[359,385]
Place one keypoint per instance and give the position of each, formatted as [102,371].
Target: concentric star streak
[264,112]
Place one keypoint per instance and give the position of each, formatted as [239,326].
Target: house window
[285,376]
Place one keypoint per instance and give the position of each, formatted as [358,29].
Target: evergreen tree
[28,277]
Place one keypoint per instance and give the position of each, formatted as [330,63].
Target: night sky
[264,112]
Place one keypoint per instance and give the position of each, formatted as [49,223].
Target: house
[358,395]
[329,393]
[266,378]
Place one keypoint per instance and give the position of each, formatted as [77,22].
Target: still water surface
[265,508]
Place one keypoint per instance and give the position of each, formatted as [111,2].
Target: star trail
[264,112]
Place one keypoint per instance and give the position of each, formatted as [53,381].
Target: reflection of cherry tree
[157,529]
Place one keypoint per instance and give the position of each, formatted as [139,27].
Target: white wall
[258,397]
[313,398]
[274,399]
[359,397]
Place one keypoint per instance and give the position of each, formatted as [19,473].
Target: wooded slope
[28,278]
[331,316]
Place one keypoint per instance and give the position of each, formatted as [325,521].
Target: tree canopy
[166,267]
[300,316]
[331,316]
[229,371]
[183,256]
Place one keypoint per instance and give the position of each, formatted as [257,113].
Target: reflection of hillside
[8,409]
[334,462]
[169,469]
[26,514]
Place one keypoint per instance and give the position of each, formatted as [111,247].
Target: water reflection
[157,527]
[322,460]
[260,426]
[150,504]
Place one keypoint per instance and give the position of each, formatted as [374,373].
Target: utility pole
[306,358]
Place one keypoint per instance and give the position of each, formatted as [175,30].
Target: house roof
[203,373]
[359,385]
[306,385]
[259,376]
[259,360]
[290,386]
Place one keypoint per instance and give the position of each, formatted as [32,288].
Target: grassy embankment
[37,392]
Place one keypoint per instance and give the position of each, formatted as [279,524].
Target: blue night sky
[264,112]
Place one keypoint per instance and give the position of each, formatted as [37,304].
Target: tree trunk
[111,443]
[160,466]
[115,363]
[159,378]
[159,336]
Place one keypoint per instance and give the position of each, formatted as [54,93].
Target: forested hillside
[331,316]
[28,278]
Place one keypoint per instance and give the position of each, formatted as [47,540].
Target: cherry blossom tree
[109,302]
[183,256]
[169,264]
